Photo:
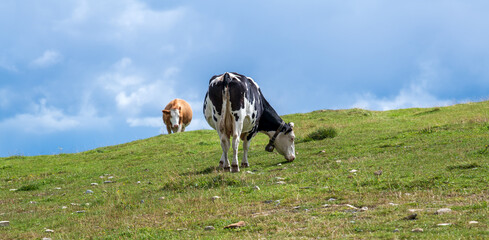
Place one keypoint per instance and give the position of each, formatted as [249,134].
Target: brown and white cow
[236,108]
[177,115]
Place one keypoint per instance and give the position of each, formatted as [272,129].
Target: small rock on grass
[94,184]
[46,238]
[415,210]
[236,225]
[443,211]
[209,228]
[351,206]
[89,191]
[215,198]
[49,231]
[256,188]
[281,182]
[473,222]
[4,223]
[417,230]
[443,224]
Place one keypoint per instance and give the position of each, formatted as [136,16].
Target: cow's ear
[291,124]
[165,111]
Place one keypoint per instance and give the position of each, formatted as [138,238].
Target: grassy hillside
[163,187]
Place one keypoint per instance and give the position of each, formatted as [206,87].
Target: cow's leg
[179,128]
[238,126]
[224,162]
[168,128]
[246,146]
[234,164]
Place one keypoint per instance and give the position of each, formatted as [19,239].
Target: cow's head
[284,143]
[174,116]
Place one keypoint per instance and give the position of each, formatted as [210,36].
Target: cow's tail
[227,125]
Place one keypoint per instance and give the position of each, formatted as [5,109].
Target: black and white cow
[235,107]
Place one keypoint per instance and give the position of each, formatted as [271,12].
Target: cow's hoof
[221,165]
[226,169]
[235,168]
[245,165]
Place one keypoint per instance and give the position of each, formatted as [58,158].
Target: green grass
[430,159]
[320,134]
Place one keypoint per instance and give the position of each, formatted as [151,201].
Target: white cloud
[133,99]
[415,95]
[123,63]
[120,78]
[7,66]
[48,58]
[133,92]
[46,119]
[137,15]
[140,99]
[5,97]
[80,12]
[198,124]
[118,82]
[118,19]
[145,122]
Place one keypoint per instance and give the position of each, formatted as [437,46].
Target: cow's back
[232,97]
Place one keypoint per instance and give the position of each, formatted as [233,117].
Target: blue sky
[76,75]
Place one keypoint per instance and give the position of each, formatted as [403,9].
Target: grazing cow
[177,115]
[235,107]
